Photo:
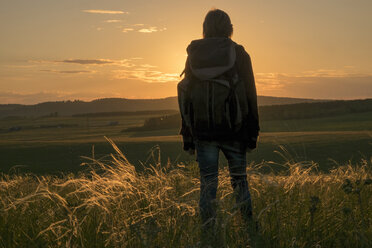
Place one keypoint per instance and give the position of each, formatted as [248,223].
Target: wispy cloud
[147,75]
[102,11]
[325,73]
[87,61]
[268,81]
[147,66]
[131,68]
[112,21]
[126,30]
[276,79]
[151,30]
[139,27]
[114,62]
[67,71]
[322,83]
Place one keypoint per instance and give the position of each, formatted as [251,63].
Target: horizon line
[162,98]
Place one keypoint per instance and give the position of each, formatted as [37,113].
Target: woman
[213,59]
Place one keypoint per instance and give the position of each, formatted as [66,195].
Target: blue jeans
[207,157]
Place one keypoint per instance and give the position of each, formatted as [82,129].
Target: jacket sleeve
[188,141]
[183,103]
[252,123]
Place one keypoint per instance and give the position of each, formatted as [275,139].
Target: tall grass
[114,205]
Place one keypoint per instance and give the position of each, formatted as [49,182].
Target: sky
[53,50]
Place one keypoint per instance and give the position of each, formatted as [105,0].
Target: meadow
[112,204]
[84,181]
[56,144]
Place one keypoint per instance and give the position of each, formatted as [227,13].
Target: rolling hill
[68,108]
[297,111]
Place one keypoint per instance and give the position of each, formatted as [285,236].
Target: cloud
[139,28]
[328,84]
[117,62]
[130,68]
[146,74]
[148,30]
[147,66]
[151,30]
[324,73]
[87,61]
[114,62]
[101,11]
[40,61]
[126,30]
[278,80]
[112,21]
[67,71]
[130,27]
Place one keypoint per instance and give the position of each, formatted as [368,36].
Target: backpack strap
[183,72]
[231,100]
[186,69]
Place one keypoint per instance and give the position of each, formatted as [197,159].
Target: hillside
[304,110]
[67,108]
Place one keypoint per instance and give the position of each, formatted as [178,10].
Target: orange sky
[61,50]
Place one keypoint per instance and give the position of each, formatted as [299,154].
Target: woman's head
[217,24]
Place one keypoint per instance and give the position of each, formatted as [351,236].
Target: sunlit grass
[114,205]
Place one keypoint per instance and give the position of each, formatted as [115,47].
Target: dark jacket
[204,53]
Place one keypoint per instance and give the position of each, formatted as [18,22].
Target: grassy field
[113,205]
[56,144]
[310,181]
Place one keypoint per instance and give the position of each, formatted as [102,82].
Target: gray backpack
[212,99]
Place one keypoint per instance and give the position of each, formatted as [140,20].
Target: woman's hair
[217,23]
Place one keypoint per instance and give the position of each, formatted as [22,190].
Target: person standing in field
[218,105]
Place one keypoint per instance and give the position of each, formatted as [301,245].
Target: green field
[55,144]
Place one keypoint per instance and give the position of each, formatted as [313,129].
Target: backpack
[212,106]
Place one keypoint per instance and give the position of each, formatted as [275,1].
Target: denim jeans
[207,157]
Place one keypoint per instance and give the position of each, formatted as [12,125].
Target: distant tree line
[274,112]
[125,113]
[314,110]
[157,123]
[115,105]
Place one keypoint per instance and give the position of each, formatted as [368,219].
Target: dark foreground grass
[114,205]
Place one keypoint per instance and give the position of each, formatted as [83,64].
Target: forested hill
[67,108]
[277,112]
